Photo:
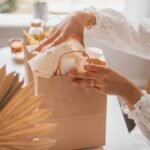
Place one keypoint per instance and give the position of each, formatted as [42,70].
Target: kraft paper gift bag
[80,113]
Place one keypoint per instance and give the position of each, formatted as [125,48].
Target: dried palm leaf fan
[23,125]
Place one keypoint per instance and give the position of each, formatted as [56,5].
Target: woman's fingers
[45,48]
[48,41]
[63,37]
[88,83]
[96,68]
[35,52]
[85,83]
[45,43]
[53,29]
[60,39]
[84,75]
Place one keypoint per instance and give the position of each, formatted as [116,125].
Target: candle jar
[16,46]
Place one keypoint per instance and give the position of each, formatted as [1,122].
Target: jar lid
[36,23]
[16,44]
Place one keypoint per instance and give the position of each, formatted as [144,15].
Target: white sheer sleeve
[141,114]
[113,29]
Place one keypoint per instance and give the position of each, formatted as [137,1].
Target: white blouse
[113,29]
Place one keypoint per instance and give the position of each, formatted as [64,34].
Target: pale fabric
[114,30]
[141,114]
[45,64]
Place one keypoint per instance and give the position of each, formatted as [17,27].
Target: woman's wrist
[131,94]
[86,18]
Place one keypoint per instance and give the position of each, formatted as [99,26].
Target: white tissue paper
[67,65]
[45,64]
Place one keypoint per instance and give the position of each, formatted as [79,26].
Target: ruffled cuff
[141,114]
[142,106]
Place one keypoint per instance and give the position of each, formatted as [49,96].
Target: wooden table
[117,136]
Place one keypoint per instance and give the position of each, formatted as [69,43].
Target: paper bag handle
[58,70]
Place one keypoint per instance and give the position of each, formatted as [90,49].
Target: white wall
[11,25]
[7,33]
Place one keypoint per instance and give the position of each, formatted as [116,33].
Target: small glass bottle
[36,29]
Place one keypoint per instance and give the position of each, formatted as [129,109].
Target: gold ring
[92,83]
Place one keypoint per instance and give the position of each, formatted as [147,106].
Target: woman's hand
[71,27]
[107,81]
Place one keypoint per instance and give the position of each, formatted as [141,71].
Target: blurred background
[16,15]
[26,6]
